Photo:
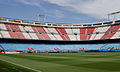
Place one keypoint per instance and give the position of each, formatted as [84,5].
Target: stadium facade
[31,36]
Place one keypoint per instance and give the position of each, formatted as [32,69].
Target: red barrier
[2,52]
[56,48]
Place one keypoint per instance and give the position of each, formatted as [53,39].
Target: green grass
[62,62]
[7,67]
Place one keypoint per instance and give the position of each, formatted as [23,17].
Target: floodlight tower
[40,16]
[113,14]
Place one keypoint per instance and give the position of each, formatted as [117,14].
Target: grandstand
[13,29]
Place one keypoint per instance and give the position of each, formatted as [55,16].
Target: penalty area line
[21,65]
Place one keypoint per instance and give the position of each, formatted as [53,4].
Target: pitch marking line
[49,56]
[20,65]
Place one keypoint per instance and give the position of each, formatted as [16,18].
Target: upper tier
[20,29]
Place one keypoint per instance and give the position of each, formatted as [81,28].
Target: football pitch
[61,62]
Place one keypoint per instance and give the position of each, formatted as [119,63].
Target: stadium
[51,43]
[59,36]
[27,36]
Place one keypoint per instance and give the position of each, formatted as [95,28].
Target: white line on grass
[48,56]
[20,65]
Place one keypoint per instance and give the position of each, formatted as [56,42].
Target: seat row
[54,47]
[47,33]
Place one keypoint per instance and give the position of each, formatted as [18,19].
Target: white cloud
[31,2]
[57,14]
[38,3]
[95,8]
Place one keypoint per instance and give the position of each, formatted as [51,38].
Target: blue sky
[59,11]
